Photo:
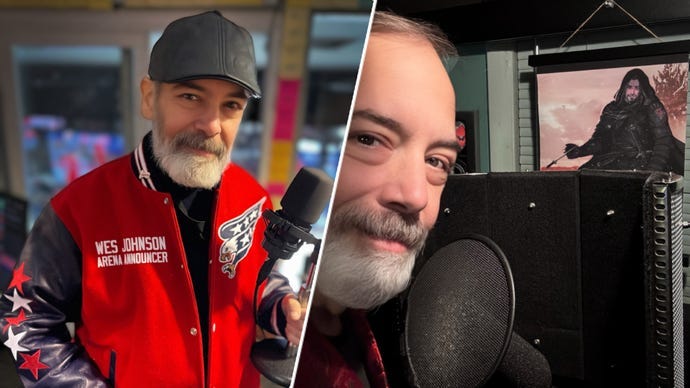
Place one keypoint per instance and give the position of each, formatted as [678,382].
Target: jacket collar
[140,163]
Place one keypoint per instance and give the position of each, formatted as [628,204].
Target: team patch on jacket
[237,235]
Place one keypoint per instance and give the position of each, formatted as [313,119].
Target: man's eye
[366,140]
[189,96]
[439,163]
[234,105]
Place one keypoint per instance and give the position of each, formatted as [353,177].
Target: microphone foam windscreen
[307,195]
[523,367]
[459,317]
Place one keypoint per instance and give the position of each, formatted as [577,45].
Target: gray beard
[185,168]
[360,279]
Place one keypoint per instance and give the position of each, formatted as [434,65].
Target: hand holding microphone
[286,231]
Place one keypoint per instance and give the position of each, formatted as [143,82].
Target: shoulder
[611,106]
[95,190]
[656,111]
[98,175]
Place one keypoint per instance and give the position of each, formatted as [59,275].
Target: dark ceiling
[416,6]
[487,20]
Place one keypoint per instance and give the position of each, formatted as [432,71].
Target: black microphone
[288,228]
[523,366]
[286,231]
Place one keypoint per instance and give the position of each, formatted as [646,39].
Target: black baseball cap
[206,45]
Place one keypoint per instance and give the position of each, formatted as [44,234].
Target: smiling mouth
[199,151]
[385,244]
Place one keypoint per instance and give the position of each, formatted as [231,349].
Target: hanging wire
[636,21]
[609,4]
[583,24]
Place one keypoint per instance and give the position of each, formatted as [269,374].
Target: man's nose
[209,121]
[406,188]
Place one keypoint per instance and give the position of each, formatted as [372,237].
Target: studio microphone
[288,228]
[286,231]
[523,366]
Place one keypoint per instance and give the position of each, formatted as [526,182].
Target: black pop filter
[459,316]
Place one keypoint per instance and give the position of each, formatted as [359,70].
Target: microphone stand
[275,357]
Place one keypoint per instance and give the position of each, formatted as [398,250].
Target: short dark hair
[386,22]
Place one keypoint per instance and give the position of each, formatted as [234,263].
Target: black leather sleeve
[44,294]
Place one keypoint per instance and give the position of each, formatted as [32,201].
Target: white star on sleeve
[13,342]
[19,302]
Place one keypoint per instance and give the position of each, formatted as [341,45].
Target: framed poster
[623,114]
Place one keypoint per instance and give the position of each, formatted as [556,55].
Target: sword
[560,157]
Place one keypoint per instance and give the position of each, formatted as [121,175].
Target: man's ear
[148,96]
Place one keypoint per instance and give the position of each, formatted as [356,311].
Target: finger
[292,308]
[293,331]
[293,337]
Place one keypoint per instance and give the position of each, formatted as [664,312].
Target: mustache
[387,225]
[199,141]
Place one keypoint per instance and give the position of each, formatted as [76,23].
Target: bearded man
[400,148]
[155,256]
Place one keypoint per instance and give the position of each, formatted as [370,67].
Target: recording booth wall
[596,258]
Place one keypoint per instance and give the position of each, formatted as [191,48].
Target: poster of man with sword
[617,118]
